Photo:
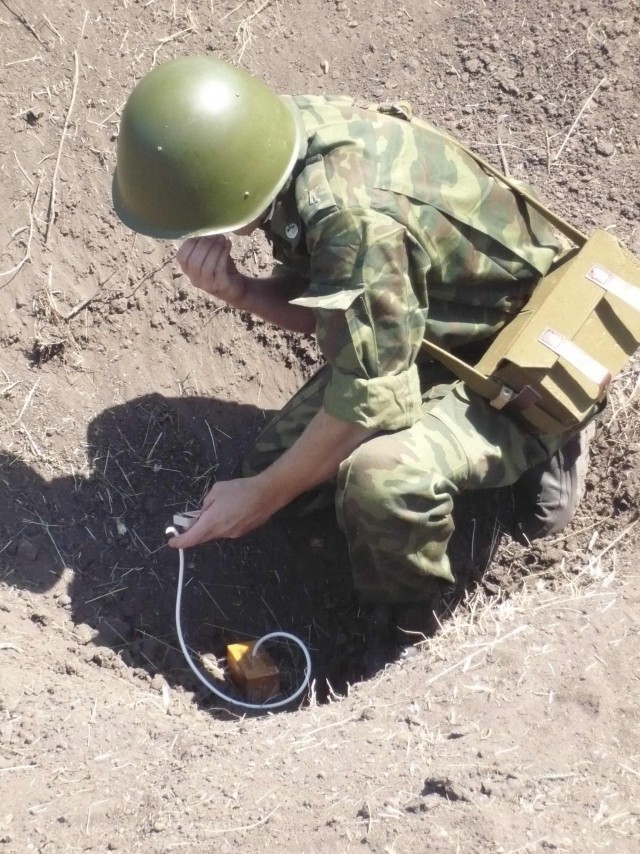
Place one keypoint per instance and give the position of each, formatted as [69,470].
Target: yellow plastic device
[255,674]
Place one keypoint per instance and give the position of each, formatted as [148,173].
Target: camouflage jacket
[398,232]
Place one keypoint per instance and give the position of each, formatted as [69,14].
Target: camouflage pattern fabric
[399,232]
[394,495]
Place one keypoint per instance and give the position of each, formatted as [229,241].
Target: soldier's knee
[369,475]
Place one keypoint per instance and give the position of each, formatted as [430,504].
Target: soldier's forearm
[269,299]
[311,460]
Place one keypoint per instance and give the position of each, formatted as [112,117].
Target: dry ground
[123,394]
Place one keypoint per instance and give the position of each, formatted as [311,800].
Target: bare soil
[124,394]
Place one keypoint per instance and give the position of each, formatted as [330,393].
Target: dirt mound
[124,394]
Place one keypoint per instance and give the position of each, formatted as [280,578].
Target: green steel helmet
[203,148]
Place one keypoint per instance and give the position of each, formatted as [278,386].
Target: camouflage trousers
[394,495]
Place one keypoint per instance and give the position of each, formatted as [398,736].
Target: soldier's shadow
[94,545]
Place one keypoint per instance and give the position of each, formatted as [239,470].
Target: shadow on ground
[96,543]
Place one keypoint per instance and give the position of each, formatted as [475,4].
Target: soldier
[384,230]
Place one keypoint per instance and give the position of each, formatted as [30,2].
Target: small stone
[473,66]
[85,634]
[508,87]
[605,147]
[158,682]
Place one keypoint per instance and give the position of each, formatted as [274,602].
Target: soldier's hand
[231,509]
[206,262]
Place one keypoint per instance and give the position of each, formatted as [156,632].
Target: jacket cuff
[381,403]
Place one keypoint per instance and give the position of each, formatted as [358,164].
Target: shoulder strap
[578,237]
[404,110]
[557,221]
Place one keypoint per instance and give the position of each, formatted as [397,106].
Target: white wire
[264,707]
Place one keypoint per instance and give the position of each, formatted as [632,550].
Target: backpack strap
[499,396]
[578,237]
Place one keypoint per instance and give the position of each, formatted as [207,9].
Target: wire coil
[264,707]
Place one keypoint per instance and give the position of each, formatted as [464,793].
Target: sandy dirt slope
[124,394]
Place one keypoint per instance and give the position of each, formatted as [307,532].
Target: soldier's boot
[547,496]
[381,646]
[392,629]
[418,621]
